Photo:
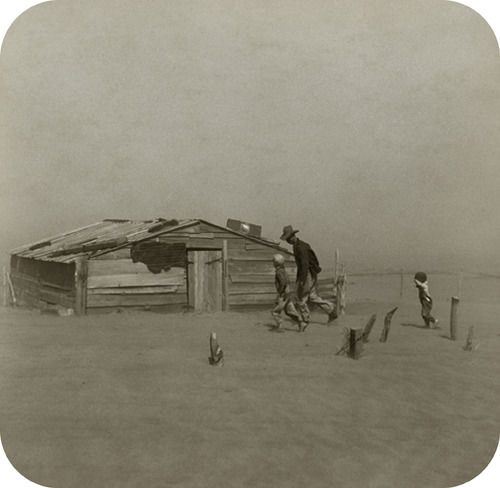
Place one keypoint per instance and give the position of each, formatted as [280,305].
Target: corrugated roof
[107,235]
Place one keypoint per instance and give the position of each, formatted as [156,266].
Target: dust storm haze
[370,126]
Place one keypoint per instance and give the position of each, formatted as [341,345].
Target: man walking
[307,277]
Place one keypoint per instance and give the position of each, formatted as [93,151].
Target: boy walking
[425,298]
[283,300]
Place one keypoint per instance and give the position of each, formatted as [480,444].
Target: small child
[284,300]
[420,280]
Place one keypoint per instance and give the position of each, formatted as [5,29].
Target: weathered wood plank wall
[115,282]
[40,283]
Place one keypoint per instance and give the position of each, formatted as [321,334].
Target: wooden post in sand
[470,336]
[454,318]
[355,343]
[216,357]
[368,327]
[340,293]
[401,283]
[387,325]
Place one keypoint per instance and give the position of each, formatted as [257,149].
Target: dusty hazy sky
[370,126]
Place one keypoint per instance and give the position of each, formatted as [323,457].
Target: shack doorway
[204,279]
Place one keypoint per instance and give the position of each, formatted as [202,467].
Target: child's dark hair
[420,276]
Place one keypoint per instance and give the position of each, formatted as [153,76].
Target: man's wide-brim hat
[288,232]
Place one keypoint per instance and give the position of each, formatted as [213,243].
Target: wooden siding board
[261,254]
[263,274]
[267,287]
[142,300]
[258,290]
[138,290]
[171,308]
[257,299]
[57,274]
[24,278]
[249,267]
[116,267]
[65,288]
[57,298]
[30,291]
[124,272]
[27,267]
[235,244]
[254,246]
[141,279]
[204,244]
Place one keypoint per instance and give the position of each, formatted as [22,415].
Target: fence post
[387,325]
[470,336]
[401,283]
[353,343]
[216,357]
[336,266]
[340,294]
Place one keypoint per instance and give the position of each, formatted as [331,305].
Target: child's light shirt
[423,291]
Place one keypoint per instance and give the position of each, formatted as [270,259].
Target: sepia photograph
[249,244]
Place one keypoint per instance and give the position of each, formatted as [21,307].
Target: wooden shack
[164,265]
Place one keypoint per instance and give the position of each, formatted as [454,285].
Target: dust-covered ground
[129,400]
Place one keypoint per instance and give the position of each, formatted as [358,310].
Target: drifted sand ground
[129,400]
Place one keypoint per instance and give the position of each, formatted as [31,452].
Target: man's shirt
[306,260]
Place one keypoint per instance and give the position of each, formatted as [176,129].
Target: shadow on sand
[286,327]
[291,326]
[417,326]
[444,336]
